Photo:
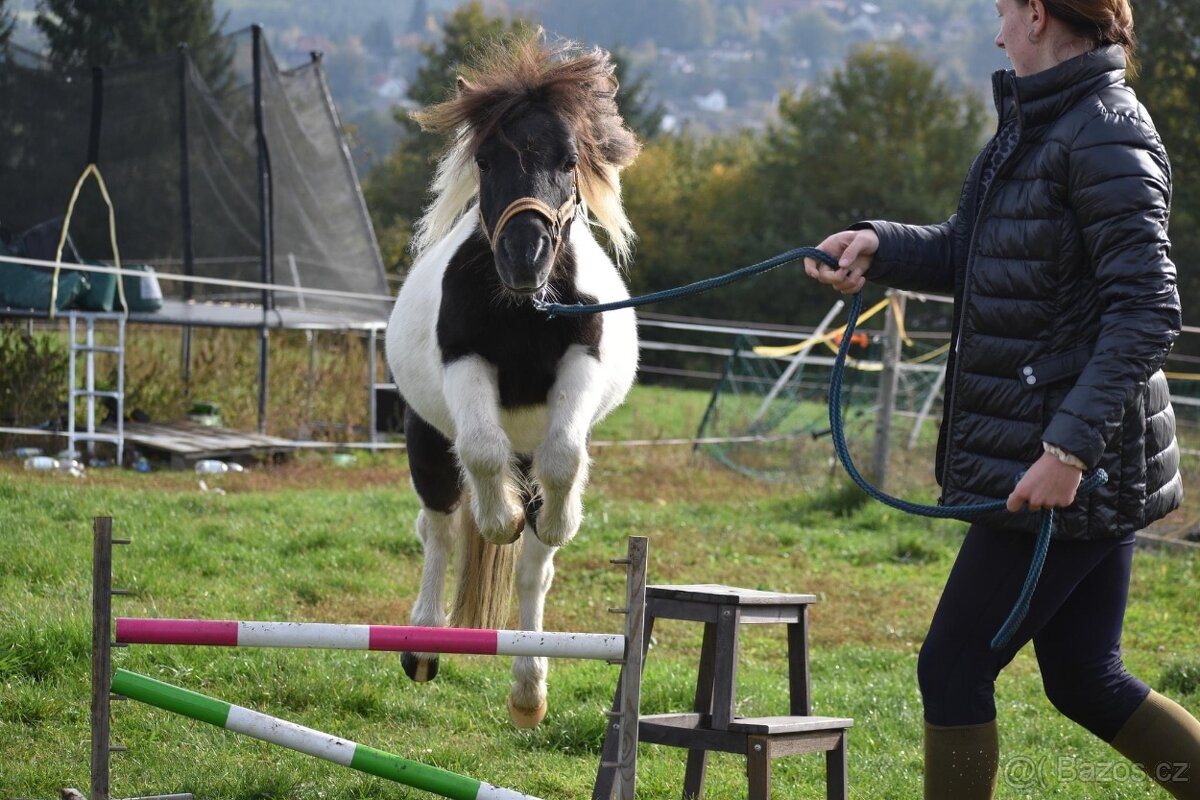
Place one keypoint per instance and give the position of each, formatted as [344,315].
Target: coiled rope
[1091,481]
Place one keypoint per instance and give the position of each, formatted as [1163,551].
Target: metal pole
[888,381]
[185,207]
[266,257]
[796,362]
[372,378]
[90,322]
[71,380]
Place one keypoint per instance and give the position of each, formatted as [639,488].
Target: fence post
[888,382]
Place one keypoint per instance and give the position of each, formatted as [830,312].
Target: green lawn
[309,541]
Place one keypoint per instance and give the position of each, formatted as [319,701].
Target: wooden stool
[712,724]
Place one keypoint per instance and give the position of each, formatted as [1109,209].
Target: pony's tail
[483,590]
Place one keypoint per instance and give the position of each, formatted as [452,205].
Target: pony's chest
[524,345]
[526,356]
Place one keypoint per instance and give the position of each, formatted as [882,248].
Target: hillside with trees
[768,122]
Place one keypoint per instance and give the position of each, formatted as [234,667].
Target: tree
[641,112]
[396,190]
[378,39]
[1169,85]
[7,24]
[882,137]
[86,33]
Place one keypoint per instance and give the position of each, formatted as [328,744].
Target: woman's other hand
[1049,483]
[854,251]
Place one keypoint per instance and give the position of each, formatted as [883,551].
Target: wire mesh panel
[769,416]
[178,143]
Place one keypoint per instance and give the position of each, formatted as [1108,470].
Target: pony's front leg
[535,572]
[560,463]
[473,395]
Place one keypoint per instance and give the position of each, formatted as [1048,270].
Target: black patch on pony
[479,317]
[436,474]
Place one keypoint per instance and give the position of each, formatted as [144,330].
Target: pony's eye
[570,163]
[483,164]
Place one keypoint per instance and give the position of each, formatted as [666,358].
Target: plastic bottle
[41,463]
[212,467]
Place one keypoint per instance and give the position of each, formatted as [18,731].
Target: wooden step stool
[712,725]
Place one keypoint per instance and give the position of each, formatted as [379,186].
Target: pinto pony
[500,397]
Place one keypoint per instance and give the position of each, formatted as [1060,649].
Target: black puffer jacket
[1065,299]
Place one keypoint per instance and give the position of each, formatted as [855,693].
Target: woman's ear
[1038,18]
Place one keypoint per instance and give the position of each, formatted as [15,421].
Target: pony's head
[535,133]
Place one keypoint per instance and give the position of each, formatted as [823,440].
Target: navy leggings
[1074,620]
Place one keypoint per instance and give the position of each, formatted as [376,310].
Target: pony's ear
[463,85]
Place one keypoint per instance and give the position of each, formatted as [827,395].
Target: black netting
[179,151]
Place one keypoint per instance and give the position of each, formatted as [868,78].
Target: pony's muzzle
[525,254]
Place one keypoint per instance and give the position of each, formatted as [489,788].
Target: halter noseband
[558,219]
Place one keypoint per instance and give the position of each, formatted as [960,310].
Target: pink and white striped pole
[230,633]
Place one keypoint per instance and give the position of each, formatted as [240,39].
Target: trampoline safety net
[177,140]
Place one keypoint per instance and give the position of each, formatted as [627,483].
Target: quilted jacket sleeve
[916,258]
[1119,188]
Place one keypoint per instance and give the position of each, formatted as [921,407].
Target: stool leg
[758,767]
[798,683]
[697,760]
[725,669]
[837,779]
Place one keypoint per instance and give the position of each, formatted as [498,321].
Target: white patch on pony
[596,275]
[437,541]
[472,392]
[411,343]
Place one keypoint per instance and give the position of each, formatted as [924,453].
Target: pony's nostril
[542,247]
[506,247]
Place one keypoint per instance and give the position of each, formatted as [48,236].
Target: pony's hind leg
[535,573]
[436,479]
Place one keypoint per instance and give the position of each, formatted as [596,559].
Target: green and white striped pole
[306,740]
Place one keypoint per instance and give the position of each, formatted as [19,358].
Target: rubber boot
[961,762]
[1163,740]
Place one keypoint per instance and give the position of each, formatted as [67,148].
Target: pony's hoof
[505,534]
[421,670]
[526,717]
[553,535]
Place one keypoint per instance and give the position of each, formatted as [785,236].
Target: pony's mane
[578,86]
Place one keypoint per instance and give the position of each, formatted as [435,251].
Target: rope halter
[558,220]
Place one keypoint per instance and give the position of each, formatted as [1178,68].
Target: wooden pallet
[187,442]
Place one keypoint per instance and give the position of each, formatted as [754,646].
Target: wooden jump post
[626,650]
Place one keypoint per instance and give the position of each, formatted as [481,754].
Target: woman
[1065,310]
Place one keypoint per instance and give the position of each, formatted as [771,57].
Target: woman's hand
[1049,483]
[854,251]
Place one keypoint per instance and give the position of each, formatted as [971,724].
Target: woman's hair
[1101,21]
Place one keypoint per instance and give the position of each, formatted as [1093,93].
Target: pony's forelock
[579,87]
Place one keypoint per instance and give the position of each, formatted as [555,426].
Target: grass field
[310,541]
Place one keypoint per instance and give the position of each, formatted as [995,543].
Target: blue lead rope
[1091,480]
[578,310]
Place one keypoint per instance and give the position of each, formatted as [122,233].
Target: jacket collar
[1044,96]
